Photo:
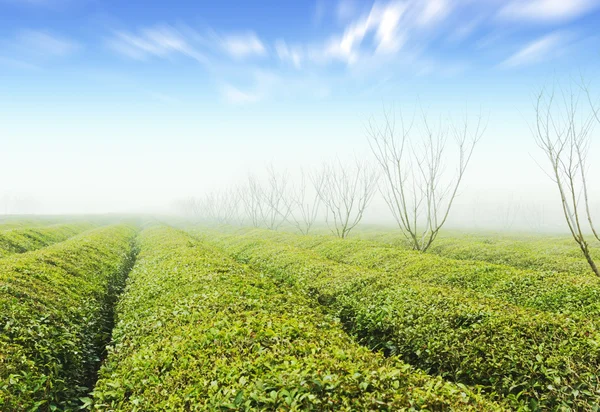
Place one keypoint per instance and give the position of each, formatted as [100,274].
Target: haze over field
[107,107]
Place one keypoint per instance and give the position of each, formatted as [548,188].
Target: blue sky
[203,88]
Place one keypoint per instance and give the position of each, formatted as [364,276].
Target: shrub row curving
[55,317]
[197,331]
[573,295]
[547,253]
[28,239]
[528,358]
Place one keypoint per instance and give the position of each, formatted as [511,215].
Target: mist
[138,117]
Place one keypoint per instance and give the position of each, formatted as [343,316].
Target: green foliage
[530,252]
[33,238]
[55,316]
[197,331]
[529,358]
[570,294]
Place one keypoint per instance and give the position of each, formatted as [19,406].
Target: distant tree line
[409,170]
[418,166]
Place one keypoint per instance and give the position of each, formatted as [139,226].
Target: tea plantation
[145,316]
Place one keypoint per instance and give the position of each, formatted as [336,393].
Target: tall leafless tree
[222,206]
[582,153]
[189,207]
[266,203]
[304,203]
[275,208]
[562,131]
[418,190]
[535,215]
[346,191]
[251,198]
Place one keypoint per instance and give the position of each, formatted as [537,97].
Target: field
[138,315]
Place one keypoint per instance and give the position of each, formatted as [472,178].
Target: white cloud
[381,19]
[243,45]
[388,26]
[163,98]
[388,36]
[160,41]
[547,10]
[17,64]
[44,43]
[538,50]
[289,54]
[346,9]
[233,95]
[433,11]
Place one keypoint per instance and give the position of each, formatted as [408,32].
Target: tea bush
[531,252]
[529,358]
[197,331]
[574,295]
[55,317]
[28,239]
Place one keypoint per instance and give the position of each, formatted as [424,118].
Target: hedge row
[549,253]
[548,291]
[528,358]
[197,331]
[28,239]
[55,317]
[19,223]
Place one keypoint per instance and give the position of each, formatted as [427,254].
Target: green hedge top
[575,295]
[197,331]
[527,357]
[55,315]
[28,239]
[532,252]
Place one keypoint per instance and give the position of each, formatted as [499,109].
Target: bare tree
[346,191]
[221,206]
[266,204]
[251,199]
[275,208]
[189,207]
[562,131]
[582,152]
[536,216]
[418,190]
[508,212]
[304,206]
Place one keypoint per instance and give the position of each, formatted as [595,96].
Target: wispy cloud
[243,45]
[547,10]
[163,98]
[539,50]
[166,41]
[17,64]
[160,41]
[44,43]
[385,29]
[233,95]
[369,41]
[289,54]
[32,49]
[383,20]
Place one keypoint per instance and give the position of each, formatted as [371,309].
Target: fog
[137,120]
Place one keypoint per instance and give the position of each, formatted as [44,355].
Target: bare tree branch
[346,191]
[417,191]
[562,132]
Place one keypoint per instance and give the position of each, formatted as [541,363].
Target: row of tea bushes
[55,316]
[548,291]
[197,331]
[528,358]
[531,252]
[9,223]
[33,238]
